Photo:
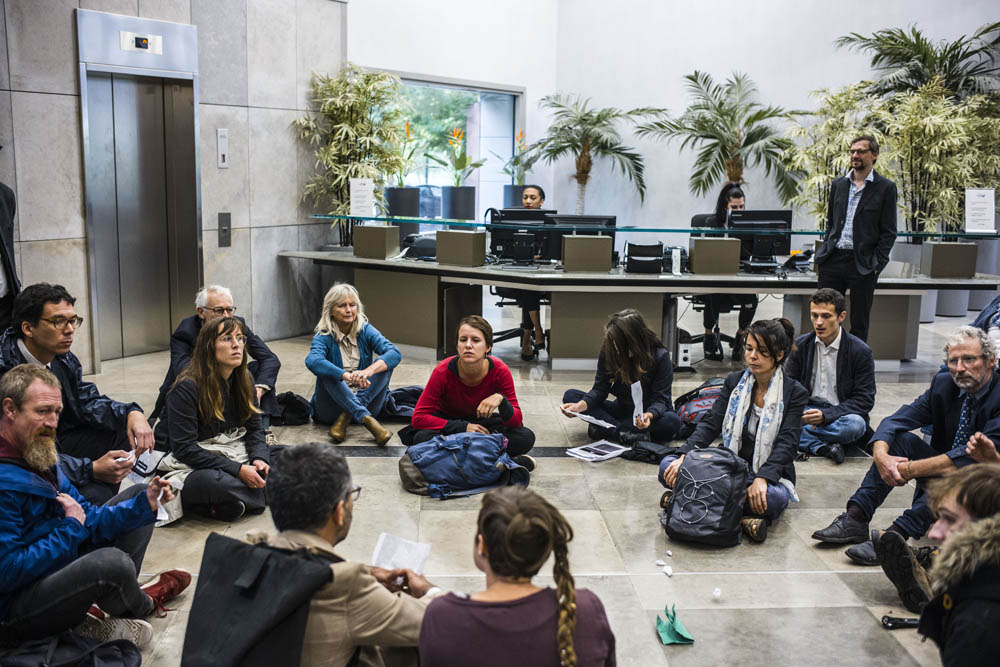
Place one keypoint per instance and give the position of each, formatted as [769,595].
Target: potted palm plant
[517,168]
[458,201]
[586,133]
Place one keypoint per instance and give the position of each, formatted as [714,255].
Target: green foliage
[434,112]
[521,162]
[731,131]
[355,130]
[408,152]
[457,160]
[908,60]
[586,133]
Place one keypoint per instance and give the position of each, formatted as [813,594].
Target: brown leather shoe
[339,429]
[754,528]
[379,432]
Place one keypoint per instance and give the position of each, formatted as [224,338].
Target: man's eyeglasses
[859,151]
[221,310]
[229,338]
[354,493]
[967,360]
[62,322]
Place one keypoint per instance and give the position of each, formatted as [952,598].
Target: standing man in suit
[860,231]
[9,284]
[217,301]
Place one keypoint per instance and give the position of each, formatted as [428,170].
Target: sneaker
[108,628]
[845,529]
[863,554]
[754,528]
[165,587]
[901,566]
[833,452]
[525,461]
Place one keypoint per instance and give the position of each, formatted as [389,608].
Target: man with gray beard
[962,400]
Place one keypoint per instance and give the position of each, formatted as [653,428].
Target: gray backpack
[707,503]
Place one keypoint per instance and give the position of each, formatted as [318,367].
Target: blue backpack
[458,465]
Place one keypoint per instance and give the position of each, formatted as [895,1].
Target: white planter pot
[953,303]
[928,306]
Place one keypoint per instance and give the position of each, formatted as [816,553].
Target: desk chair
[505,299]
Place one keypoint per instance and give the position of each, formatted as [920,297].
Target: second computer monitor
[763,234]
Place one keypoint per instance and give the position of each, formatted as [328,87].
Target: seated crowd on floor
[73,534]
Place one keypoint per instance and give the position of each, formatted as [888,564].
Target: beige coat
[355,610]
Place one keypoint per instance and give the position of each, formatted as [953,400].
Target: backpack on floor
[294,410]
[70,650]
[457,465]
[707,503]
[695,404]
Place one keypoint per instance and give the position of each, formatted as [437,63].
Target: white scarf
[740,402]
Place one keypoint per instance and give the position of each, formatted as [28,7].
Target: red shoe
[165,587]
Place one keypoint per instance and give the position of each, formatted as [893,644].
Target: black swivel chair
[505,299]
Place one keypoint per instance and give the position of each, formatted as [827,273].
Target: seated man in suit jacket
[989,321]
[838,371]
[962,401]
[860,232]
[217,301]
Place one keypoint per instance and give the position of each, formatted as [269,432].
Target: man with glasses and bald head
[98,438]
[210,302]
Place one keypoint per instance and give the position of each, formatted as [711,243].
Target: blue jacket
[855,375]
[325,362]
[983,321]
[940,407]
[36,538]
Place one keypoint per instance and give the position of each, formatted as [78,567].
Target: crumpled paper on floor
[672,631]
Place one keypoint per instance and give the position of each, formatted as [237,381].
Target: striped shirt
[846,240]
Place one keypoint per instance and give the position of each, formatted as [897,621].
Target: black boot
[712,348]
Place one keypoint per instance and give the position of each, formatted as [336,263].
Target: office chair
[505,299]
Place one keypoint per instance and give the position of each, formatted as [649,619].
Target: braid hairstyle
[520,529]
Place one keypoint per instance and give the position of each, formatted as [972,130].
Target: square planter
[376,241]
[586,253]
[461,247]
[941,259]
[715,256]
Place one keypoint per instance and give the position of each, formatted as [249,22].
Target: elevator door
[141,204]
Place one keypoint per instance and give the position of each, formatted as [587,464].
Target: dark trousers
[520,439]
[873,491]
[207,487]
[715,303]
[103,574]
[663,429]
[840,272]
[91,442]
[6,308]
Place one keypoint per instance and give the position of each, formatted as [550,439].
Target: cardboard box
[939,259]
[376,241]
[587,253]
[464,248]
[710,255]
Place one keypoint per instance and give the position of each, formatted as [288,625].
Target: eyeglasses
[859,151]
[221,310]
[967,360]
[62,322]
[229,338]
[354,493]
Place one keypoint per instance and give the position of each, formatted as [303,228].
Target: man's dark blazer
[874,223]
[941,407]
[855,375]
[264,371]
[7,209]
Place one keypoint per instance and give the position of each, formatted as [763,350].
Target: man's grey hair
[305,485]
[201,298]
[965,333]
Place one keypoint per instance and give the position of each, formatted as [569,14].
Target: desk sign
[363,197]
[980,206]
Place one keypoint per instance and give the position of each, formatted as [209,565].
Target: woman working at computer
[529,302]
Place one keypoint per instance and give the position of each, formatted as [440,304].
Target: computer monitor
[763,234]
[509,215]
[521,242]
[583,225]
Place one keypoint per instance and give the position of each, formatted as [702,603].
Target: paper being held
[393,552]
[636,400]
[587,418]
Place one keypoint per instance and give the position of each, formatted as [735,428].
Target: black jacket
[964,615]
[781,462]
[987,313]
[941,407]
[265,371]
[7,209]
[855,375]
[874,223]
[655,386]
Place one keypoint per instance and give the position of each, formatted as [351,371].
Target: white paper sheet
[393,552]
[636,400]
[587,418]
[601,450]
[145,466]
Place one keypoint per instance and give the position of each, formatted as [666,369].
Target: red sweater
[446,399]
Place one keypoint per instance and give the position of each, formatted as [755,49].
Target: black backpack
[294,410]
[695,404]
[70,650]
[707,503]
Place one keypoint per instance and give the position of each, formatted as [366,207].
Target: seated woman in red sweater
[473,392]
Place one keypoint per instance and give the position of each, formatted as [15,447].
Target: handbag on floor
[707,501]
[71,650]
[461,464]
[695,404]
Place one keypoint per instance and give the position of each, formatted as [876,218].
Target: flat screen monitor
[518,242]
[508,215]
[584,225]
[762,234]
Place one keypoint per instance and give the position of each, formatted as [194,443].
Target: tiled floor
[788,601]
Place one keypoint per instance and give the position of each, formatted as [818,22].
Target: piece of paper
[636,400]
[979,210]
[393,552]
[587,418]
[362,197]
[601,450]
[161,512]
[672,631]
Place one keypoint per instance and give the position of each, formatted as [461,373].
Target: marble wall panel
[271,53]
[178,11]
[4,67]
[225,189]
[311,237]
[230,267]
[41,45]
[305,167]
[274,193]
[279,287]
[222,50]
[124,7]
[49,165]
[318,43]
[63,261]
[8,174]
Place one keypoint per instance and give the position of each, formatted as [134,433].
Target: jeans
[663,429]
[777,496]
[873,491]
[842,431]
[334,396]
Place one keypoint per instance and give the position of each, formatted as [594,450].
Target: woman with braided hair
[513,619]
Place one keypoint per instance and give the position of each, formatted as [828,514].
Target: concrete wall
[256,59]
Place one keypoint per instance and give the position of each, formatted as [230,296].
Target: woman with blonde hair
[514,620]
[351,385]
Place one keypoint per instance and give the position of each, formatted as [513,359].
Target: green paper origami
[672,631]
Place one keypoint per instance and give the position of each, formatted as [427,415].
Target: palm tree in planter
[732,131]
[586,133]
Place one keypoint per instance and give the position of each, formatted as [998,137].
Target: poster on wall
[362,197]
[980,207]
